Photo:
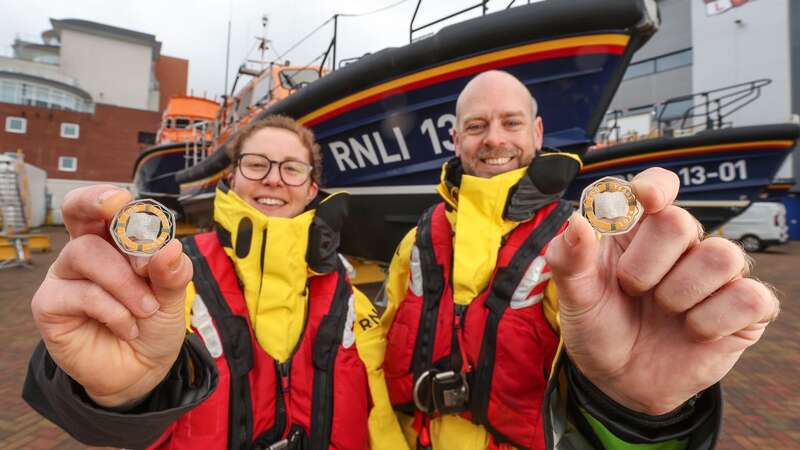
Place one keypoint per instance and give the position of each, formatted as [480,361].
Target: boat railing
[330,53]
[711,107]
[685,114]
[515,1]
[331,50]
[412,29]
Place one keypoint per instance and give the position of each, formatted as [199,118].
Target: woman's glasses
[257,167]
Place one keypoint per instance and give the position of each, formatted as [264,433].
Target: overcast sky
[196,30]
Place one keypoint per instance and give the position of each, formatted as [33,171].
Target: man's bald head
[488,84]
[496,125]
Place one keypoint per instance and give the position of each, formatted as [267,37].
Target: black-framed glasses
[257,167]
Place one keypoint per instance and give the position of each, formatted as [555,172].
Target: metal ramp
[14,212]
[14,207]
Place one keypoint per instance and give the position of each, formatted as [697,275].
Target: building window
[70,130]
[25,93]
[8,91]
[146,138]
[42,95]
[658,64]
[17,125]
[674,60]
[639,69]
[67,163]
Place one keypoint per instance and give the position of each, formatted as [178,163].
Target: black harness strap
[235,336]
[505,282]
[432,287]
[326,346]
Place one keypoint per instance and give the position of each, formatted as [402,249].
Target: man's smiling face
[495,130]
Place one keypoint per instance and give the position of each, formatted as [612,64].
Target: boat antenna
[263,42]
[228,48]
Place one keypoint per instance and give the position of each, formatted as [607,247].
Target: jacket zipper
[460,311]
[284,394]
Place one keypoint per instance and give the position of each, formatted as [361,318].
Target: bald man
[511,325]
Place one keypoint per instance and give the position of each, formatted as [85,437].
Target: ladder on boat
[196,148]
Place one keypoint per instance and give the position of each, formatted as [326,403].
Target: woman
[269,300]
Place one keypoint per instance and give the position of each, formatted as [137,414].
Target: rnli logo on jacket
[372,319]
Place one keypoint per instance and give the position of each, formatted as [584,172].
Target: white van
[761,225]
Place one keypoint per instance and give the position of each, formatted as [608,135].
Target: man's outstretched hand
[114,323]
[654,316]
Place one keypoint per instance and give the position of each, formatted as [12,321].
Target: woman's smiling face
[271,195]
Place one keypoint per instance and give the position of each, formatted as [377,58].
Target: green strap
[610,441]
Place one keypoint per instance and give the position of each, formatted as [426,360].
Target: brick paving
[762,392]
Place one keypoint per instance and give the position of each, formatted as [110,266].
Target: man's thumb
[572,257]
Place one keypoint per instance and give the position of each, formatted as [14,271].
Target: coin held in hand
[610,206]
[142,227]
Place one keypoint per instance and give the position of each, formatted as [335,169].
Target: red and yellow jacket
[282,331]
[479,254]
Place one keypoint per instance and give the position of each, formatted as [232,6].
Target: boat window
[244,102]
[674,110]
[262,89]
[182,123]
[296,78]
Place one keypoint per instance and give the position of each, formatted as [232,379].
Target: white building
[80,63]
[116,66]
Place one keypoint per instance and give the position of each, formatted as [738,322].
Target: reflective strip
[533,276]
[528,302]
[349,335]
[351,271]
[416,272]
[201,321]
